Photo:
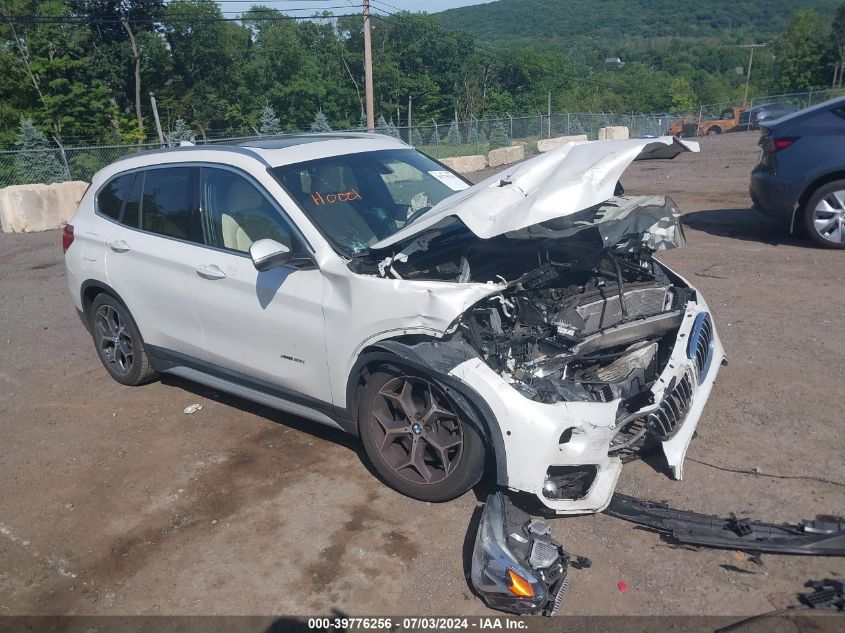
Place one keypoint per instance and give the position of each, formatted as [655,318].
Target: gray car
[800,178]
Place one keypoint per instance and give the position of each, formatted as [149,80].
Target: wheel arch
[89,290]
[814,186]
[403,353]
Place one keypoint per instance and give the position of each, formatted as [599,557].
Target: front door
[268,325]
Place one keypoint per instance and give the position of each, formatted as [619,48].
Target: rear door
[154,256]
[267,325]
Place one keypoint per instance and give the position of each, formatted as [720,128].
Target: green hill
[605,28]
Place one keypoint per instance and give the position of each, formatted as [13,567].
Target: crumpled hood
[568,179]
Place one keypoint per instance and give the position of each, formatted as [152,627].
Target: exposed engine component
[564,331]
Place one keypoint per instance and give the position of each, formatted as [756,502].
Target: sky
[432,6]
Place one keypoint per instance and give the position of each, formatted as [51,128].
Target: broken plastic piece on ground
[824,536]
[622,586]
[516,565]
[825,595]
[192,408]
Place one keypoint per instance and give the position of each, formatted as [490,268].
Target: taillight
[67,237]
[772,145]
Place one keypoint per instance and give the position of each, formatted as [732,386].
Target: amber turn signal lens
[519,586]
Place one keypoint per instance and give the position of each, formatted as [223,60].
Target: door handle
[210,272]
[119,246]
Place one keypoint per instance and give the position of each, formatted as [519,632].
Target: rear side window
[169,203]
[111,197]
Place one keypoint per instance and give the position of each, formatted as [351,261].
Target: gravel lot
[112,501]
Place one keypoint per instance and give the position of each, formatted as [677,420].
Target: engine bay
[562,332]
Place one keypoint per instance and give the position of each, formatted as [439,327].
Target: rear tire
[714,131]
[824,215]
[118,342]
[415,437]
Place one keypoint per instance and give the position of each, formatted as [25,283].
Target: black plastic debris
[826,595]
[823,536]
[516,564]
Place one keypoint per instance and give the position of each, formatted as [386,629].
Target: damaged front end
[587,350]
[516,565]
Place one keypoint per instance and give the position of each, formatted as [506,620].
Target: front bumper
[538,436]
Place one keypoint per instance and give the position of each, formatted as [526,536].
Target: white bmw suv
[521,323]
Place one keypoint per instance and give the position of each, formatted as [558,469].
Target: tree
[36,163]
[683,96]
[180,132]
[381,125]
[417,137]
[499,136]
[838,32]
[802,53]
[320,123]
[434,136]
[269,124]
[453,137]
[116,26]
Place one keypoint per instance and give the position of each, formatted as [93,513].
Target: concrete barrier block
[25,208]
[505,155]
[613,133]
[548,144]
[465,164]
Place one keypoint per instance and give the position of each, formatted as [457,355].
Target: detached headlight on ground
[516,565]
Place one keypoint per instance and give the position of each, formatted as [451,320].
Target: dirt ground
[113,501]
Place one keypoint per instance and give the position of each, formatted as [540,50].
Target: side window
[238,214]
[169,206]
[111,197]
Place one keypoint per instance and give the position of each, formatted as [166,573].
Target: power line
[252,17]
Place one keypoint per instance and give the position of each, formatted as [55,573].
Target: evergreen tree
[321,123]
[269,124]
[391,130]
[417,137]
[476,135]
[575,127]
[362,122]
[381,124]
[499,136]
[180,132]
[453,138]
[433,137]
[38,164]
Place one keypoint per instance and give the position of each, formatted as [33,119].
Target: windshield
[358,199]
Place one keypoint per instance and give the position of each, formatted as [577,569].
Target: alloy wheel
[421,438]
[113,340]
[829,217]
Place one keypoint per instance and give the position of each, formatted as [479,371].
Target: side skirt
[243,386]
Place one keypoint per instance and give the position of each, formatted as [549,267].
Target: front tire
[118,341]
[824,215]
[415,437]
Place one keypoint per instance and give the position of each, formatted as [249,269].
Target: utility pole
[549,124]
[368,69]
[751,48]
[410,135]
[155,115]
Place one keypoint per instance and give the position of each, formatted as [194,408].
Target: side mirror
[267,254]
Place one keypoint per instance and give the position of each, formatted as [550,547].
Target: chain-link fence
[440,140]
[459,138]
